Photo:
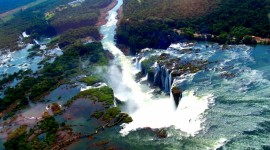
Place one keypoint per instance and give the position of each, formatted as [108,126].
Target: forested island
[135,74]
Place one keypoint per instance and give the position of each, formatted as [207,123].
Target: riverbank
[6,16]
[148,25]
[245,39]
[102,19]
[49,21]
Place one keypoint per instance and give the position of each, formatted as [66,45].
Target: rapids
[146,110]
[225,106]
[217,110]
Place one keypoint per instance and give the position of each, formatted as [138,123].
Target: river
[214,112]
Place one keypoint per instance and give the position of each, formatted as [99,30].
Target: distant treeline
[34,22]
[6,5]
[83,15]
[151,22]
[70,40]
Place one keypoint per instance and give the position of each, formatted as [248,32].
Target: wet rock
[177,95]
[118,101]
[56,109]
[157,91]
[109,55]
[176,73]
[139,76]
[162,133]
[100,143]
[225,46]
[151,75]
[227,75]
[46,114]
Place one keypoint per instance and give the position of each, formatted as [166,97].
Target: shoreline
[15,10]
[102,19]
[120,15]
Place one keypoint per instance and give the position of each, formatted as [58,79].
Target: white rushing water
[141,105]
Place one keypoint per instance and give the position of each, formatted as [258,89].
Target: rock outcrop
[177,95]
[163,69]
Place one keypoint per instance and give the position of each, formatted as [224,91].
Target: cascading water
[239,118]
[144,108]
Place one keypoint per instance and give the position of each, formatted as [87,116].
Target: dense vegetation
[73,35]
[103,95]
[91,80]
[74,17]
[51,75]
[21,137]
[51,18]
[30,20]
[151,23]
[73,32]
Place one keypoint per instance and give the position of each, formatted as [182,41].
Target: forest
[153,23]
[50,18]
[64,67]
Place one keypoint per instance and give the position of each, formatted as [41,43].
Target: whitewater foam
[146,110]
[161,113]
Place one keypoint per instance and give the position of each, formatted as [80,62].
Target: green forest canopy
[150,22]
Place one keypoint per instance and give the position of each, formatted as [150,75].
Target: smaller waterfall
[170,81]
[165,79]
[140,65]
[25,35]
[137,63]
[36,41]
[147,76]
[162,77]
[144,78]
[140,103]
[30,102]
[166,87]
[157,74]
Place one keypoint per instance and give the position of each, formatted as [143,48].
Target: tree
[240,32]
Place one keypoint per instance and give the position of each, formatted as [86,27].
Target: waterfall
[162,78]
[170,80]
[29,102]
[168,83]
[137,64]
[36,41]
[144,78]
[25,35]
[140,104]
[140,65]
[157,74]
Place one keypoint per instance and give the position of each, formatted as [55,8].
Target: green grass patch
[111,113]
[97,114]
[103,94]
[91,80]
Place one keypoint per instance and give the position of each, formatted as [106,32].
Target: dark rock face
[118,101]
[177,95]
[163,78]
[151,76]
[162,70]
[162,133]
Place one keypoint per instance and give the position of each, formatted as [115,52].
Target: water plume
[145,109]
